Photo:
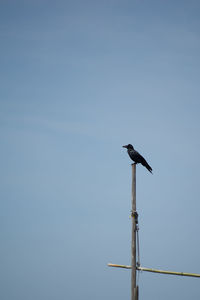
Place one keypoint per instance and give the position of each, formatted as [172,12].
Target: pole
[133,243]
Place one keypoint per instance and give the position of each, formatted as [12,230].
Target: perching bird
[136,157]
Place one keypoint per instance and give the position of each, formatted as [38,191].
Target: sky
[79,79]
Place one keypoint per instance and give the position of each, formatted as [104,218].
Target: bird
[137,157]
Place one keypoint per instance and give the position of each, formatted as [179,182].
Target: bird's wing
[145,163]
[134,155]
[138,156]
[141,158]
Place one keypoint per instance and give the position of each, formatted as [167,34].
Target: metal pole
[133,243]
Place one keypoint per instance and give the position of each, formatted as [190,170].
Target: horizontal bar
[119,266]
[168,272]
[156,271]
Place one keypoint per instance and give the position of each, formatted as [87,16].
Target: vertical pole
[133,243]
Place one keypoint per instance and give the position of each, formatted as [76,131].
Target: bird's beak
[124,146]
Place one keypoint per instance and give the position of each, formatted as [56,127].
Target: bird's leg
[135,163]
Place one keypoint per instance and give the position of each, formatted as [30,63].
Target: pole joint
[134,214]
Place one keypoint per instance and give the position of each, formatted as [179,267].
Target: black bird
[137,157]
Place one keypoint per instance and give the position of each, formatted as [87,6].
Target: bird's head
[129,146]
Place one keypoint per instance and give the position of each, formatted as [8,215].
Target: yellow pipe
[156,271]
[168,272]
[119,266]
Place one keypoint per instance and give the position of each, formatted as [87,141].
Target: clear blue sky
[79,79]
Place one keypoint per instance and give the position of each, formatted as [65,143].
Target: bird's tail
[145,164]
